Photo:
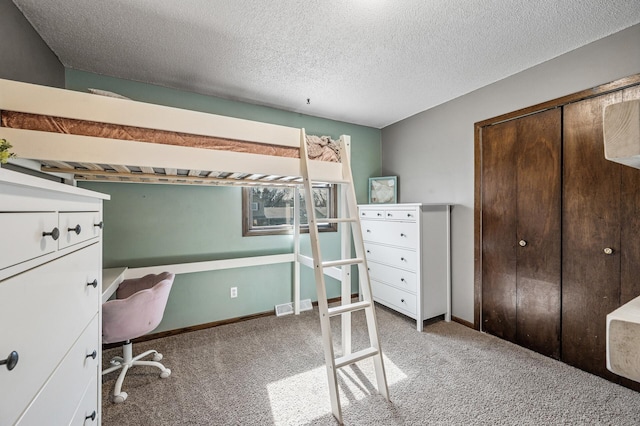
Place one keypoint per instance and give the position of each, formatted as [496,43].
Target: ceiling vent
[621,125]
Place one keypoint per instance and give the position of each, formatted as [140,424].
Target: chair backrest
[138,308]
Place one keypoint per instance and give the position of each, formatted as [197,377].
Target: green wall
[148,224]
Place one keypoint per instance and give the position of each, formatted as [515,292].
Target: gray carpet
[270,371]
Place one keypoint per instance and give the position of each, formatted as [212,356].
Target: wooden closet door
[538,232]
[499,162]
[521,231]
[591,226]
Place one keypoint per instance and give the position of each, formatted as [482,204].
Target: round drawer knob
[99,225]
[91,416]
[403,234]
[93,283]
[402,300]
[11,361]
[608,250]
[522,243]
[55,234]
[77,229]
[92,355]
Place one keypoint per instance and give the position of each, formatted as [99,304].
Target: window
[268,210]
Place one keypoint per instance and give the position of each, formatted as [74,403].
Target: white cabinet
[50,301]
[407,250]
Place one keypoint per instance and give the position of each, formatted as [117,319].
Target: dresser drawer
[23,239]
[393,256]
[58,401]
[394,298]
[400,278]
[45,310]
[404,215]
[76,227]
[400,234]
[372,214]
[87,412]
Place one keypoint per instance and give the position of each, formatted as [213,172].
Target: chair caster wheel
[120,398]
[116,360]
[157,357]
[166,373]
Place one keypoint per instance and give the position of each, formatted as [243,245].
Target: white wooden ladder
[349,213]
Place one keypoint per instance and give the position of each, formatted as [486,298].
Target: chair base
[126,361]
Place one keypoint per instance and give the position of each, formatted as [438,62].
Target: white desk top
[111,279]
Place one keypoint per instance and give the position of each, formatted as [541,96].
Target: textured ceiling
[370,62]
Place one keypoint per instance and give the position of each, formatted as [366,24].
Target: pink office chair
[137,310]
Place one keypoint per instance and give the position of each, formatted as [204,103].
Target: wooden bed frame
[104,159]
[116,160]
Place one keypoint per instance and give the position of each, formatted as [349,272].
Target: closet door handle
[93,283]
[608,250]
[55,234]
[522,243]
[11,361]
[77,229]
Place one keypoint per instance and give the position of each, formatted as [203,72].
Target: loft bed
[102,138]
[95,137]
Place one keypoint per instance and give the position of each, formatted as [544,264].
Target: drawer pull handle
[403,234]
[368,251]
[379,214]
[77,229]
[99,225]
[389,215]
[11,361]
[91,416]
[402,300]
[409,215]
[93,283]
[92,355]
[403,259]
[403,280]
[55,234]
[369,231]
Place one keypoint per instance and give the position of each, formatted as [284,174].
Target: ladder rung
[342,262]
[337,220]
[355,357]
[337,310]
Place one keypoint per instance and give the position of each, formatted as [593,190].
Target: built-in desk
[111,279]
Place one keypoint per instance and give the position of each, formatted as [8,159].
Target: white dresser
[407,250]
[50,294]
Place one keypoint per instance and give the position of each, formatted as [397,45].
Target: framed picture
[383,190]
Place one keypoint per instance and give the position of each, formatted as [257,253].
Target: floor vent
[287,308]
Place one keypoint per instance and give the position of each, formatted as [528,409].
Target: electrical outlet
[234,292]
